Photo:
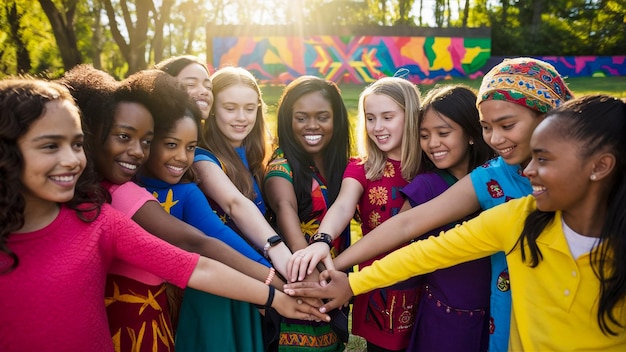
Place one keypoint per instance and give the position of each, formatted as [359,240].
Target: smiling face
[53,155]
[127,146]
[196,79]
[384,122]
[236,112]
[560,176]
[312,122]
[445,143]
[171,155]
[507,128]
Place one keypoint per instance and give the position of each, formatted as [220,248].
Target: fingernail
[323,309]
[289,292]
[299,301]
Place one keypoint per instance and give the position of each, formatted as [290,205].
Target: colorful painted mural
[578,66]
[353,59]
[363,59]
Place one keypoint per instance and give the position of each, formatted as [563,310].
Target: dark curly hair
[162,94]
[22,102]
[97,94]
[93,91]
[168,103]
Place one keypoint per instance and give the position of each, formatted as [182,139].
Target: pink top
[129,198]
[53,300]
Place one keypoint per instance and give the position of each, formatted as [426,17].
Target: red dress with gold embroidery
[384,317]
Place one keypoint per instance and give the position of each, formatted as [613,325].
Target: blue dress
[497,182]
[208,322]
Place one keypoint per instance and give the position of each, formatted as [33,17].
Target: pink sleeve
[132,244]
[129,197]
[355,170]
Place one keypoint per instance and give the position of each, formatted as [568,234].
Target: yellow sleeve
[496,229]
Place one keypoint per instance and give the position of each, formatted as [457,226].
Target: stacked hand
[333,285]
[299,308]
[304,261]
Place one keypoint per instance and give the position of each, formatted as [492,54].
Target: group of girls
[177,140]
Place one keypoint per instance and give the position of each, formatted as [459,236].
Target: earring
[471,142]
[593,177]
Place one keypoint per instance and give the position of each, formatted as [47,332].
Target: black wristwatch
[321,237]
[271,242]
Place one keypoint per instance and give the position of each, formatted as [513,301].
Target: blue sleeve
[198,213]
[205,155]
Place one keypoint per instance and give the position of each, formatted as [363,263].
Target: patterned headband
[525,81]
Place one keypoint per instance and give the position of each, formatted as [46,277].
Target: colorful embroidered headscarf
[525,81]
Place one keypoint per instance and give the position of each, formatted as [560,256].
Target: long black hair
[336,153]
[598,124]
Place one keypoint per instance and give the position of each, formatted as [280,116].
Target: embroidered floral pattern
[378,195]
[494,188]
[389,170]
[374,219]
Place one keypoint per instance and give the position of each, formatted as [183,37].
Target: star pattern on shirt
[169,201]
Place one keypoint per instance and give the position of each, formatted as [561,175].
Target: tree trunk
[96,37]
[15,33]
[63,30]
[161,18]
[466,9]
[134,52]
[536,19]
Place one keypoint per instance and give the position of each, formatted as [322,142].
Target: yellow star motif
[169,200]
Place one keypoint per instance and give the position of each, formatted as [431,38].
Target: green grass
[614,86]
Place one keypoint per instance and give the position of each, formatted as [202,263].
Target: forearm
[216,278]
[220,251]
[454,204]
[337,218]
[289,226]
[389,235]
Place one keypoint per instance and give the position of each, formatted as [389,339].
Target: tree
[62,21]
[16,36]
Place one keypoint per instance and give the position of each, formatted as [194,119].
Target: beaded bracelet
[270,276]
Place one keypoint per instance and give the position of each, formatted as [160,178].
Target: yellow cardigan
[554,304]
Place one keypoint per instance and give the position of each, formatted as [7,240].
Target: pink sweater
[53,300]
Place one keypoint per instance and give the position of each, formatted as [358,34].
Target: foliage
[123,36]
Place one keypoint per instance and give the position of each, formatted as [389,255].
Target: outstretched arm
[304,261]
[154,219]
[455,203]
[216,184]
[216,278]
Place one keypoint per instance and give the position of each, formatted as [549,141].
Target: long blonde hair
[255,143]
[407,96]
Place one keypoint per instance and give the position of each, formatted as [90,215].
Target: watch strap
[271,242]
[322,237]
